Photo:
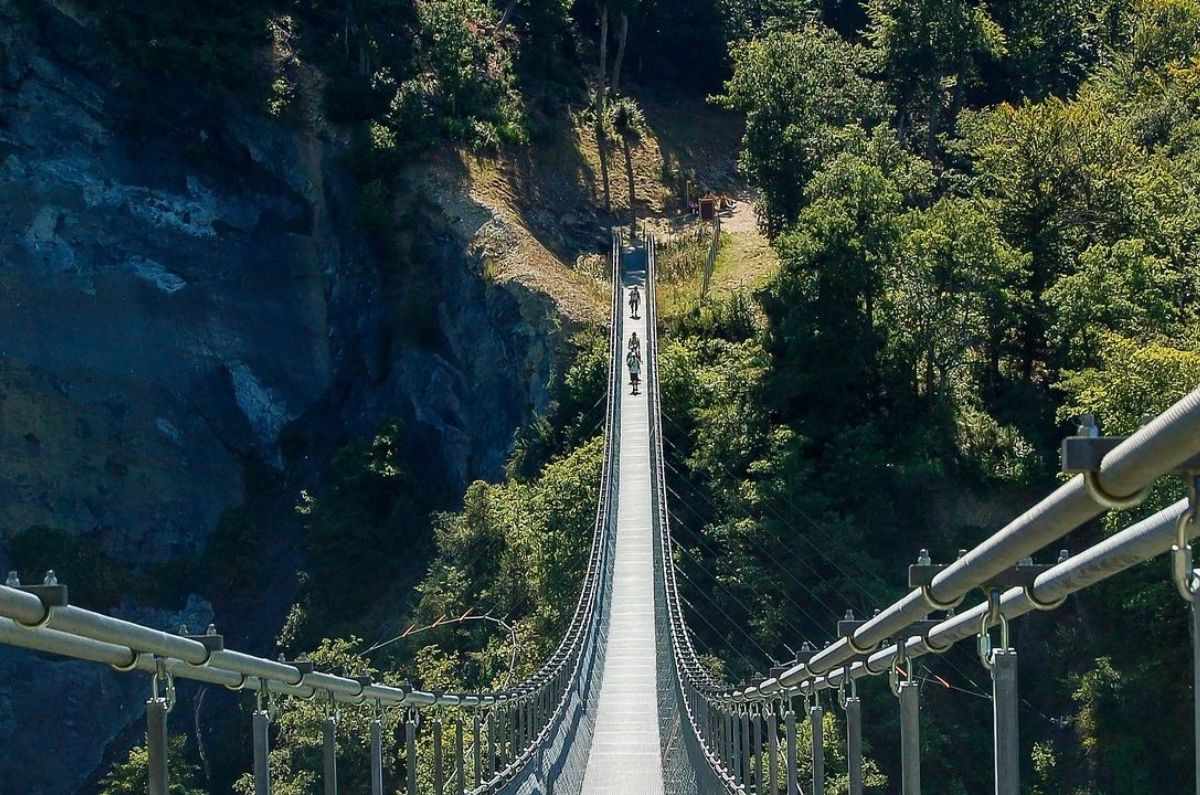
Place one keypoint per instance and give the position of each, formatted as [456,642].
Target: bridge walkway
[625,756]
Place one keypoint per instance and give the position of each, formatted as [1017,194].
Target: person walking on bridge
[635,345]
[635,298]
[634,362]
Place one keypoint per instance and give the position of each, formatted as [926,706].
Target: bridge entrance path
[625,756]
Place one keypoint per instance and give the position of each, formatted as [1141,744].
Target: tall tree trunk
[960,88]
[935,106]
[622,35]
[602,146]
[507,12]
[603,89]
[629,177]
[349,26]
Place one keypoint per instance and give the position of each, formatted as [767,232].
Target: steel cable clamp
[901,656]
[162,684]
[1183,571]
[842,699]
[993,615]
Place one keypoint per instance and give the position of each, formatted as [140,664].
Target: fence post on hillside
[410,750]
[713,249]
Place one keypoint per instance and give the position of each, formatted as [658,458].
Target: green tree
[132,776]
[1061,177]
[927,47]
[1119,288]
[950,286]
[629,124]
[799,92]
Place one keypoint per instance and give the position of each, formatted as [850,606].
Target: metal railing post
[491,743]
[758,747]
[735,728]
[460,766]
[744,767]
[410,752]
[329,753]
[772,752]
[1005,725]
[910,738]
[815,716]
[376,757]
[854,761]
[262,748]
[156,745]
[793,773]
[727,740]
[1195,611]
[439,774]
[477,734]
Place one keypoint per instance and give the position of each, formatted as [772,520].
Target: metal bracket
[846,627]
[921,629]
[303,666]
[921,574]
[806,653]
[1083,453]
[1020,576]
[210,640]
[51,593]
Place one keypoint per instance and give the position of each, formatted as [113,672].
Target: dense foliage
[988,224]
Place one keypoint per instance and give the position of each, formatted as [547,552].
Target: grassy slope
[536,214]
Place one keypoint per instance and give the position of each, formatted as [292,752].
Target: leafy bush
[132,776]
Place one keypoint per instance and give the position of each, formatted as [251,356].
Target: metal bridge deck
[625,756]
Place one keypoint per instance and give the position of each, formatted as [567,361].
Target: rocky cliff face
[181,284]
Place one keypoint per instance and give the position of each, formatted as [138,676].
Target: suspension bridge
[624,704]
